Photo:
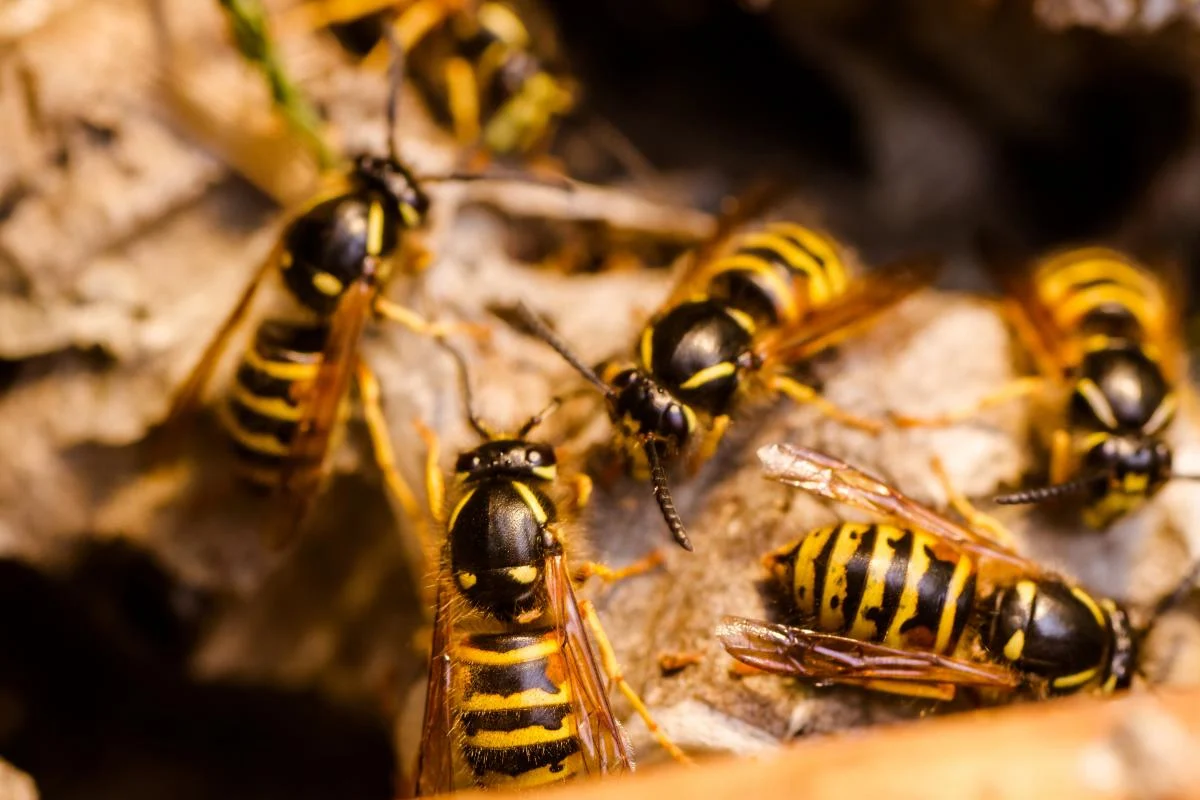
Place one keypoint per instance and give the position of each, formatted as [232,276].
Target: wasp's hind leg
[806,395]
[612,668]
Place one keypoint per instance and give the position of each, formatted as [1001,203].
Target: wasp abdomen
[882,583]
[496,546]
[325,249]
[513,705]
[261,412]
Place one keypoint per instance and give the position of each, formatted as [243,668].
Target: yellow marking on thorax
[1026,591]
[1099,404]
[1162,415]
[717,371]
[1076,680]
[954,590]
[466,579]
[1015,646]
[646,347]
[543,648]
[409,216]
[525,574]
[374,229]
[459,507]
[1087,600]
[280,370]
[327,284]
[531,500]
[273,407]
[744,320]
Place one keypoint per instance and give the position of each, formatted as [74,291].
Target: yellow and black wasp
[520,667]
[917,604]
[335,259]
[489,69]
[746,314]
[1104,339]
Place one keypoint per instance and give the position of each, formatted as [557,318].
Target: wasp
[335,259]
[744,316]
[1104,342]
[917,604]
[517,678]
[489,69]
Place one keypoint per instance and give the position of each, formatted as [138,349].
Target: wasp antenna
[542,331]
[1185,587]
[464,379]
[1175,476]
[1044,493]
[560,182]
[537,418]
[662,494]
[395,85]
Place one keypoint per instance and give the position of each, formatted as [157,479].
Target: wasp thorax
[508,458]
[649,410]
[1053,630]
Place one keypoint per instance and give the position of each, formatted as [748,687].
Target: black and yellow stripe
[778,273]
[881,583]
[512,703]
[261,412]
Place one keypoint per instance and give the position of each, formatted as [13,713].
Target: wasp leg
[984,523]
[1021,387]
[581,491]
[410,28]
[589,569]
[613,669]
[708,446]
[385,457]
[801,393]
[1060,457]
[463,100]
[672,663]
[435,487]
[394,312]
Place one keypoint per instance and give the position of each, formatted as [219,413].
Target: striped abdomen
[512,704]
[261,413]
[1096,294]
[881,583]
[778,273]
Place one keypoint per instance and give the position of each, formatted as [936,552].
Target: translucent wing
[434,771]
[605,748]
[828,477]
[868,298]
[322,403]
[826,658]
[190,394]
[1034,325]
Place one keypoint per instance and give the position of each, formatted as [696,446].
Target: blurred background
[150,646]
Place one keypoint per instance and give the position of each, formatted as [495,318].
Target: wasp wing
[189,395]
[434,770]
[836,480]
[864,302]
[322,403]
[606,749]
[823,657]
